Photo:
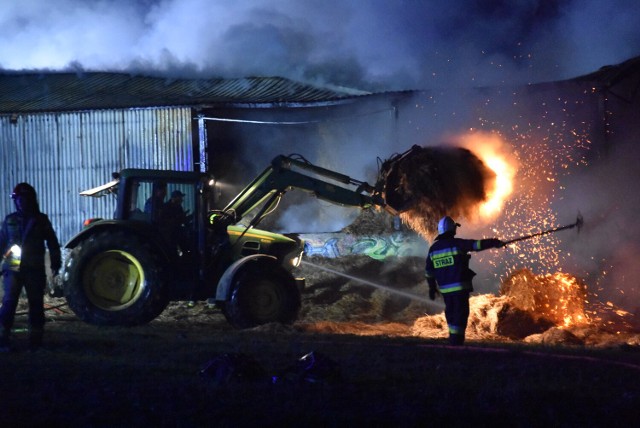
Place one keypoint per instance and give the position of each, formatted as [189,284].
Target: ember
[528,304]
[549,308]
[559,297]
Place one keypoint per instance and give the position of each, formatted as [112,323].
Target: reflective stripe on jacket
[448,262]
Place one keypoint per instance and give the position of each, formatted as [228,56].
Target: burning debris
[426,183]
[559,298]
[551,308]
[491,318]
[528,304]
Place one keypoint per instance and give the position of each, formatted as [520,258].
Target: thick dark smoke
[431,182]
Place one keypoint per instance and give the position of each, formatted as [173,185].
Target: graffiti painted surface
[378,247]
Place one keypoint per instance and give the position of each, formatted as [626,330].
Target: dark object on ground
[313,367]
[233,367]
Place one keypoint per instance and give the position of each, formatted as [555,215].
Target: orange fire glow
[559,297]
[492,150]
[532,158]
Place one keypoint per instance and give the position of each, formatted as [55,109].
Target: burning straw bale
[491,318]
[529,305]
[559,298]
[484,315]
[431,182]
[516,323]
[555,336]
[430,326]
[495,317]
[485,318]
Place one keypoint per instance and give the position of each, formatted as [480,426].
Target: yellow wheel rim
[113,280]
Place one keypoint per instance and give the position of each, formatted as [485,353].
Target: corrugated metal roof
[37,92]
[610,75]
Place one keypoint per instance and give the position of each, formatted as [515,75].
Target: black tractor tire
[115,278]
[262,294]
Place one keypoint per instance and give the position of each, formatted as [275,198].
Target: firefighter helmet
[23,189]
[446,224]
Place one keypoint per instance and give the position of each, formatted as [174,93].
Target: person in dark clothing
[173,209]
[155,203]
[22,241]
[173,220]
[447,272]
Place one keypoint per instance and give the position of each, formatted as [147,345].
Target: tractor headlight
[295,262]
[292,252]
[294,259]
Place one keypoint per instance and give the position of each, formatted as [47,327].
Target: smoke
[383,45]
[380,46]
[608,247]
[347,139]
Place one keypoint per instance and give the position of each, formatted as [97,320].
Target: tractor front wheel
[262,295]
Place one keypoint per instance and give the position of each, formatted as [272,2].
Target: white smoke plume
[384,44]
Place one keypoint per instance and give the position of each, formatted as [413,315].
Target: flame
[559,297]
[528,303]
[492,150]
[544,150]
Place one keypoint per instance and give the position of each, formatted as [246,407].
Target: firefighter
[22,241]
[447,272]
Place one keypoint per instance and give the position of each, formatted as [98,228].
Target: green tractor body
[126,270]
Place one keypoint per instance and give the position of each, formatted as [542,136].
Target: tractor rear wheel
[114,278]
[262,295]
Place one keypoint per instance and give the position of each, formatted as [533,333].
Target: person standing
[447,272]
[23,236]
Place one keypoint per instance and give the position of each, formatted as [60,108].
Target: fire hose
[53,284]
[55,308]
[578,224]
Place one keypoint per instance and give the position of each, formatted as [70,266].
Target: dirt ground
[357,355]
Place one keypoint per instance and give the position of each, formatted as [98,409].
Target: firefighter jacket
[448,262]
[30,234]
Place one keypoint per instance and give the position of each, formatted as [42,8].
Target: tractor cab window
[138,207]
[148,199]
[169,206]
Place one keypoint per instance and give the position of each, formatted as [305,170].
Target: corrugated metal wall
[61,154]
